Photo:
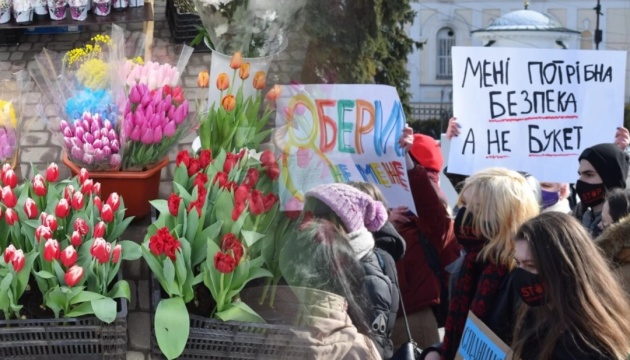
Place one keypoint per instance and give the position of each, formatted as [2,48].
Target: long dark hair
[320,257]
[583,297]
[618,204]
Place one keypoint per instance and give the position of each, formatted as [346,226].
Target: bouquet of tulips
[11,111]
[212,231]
[66,237]
[236,122]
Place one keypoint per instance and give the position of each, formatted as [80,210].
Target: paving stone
[133,301]
[139,328]
[4,56]
[25,46]
[34,138]
[16,55]
[144,295]
[39,154]
[135,355]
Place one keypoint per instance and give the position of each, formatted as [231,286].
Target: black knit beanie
[610,162]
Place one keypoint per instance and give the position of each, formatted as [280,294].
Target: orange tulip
[229,102]
[274,93]
[237,59]
[203,79]
[260,80]
[223,81]
[244,71]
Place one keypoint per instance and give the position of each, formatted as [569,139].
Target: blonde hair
[370,189]
[500,201]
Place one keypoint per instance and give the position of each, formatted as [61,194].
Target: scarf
[474,290]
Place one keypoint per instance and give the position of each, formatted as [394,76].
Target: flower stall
[121,115]
[61,289]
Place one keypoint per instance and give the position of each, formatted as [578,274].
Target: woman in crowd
[575,307]
[615,240]
[357,215]
[321,267]
[555,197]
[494,203]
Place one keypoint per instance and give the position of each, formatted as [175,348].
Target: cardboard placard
[480,343]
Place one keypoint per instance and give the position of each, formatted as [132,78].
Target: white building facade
[441,24]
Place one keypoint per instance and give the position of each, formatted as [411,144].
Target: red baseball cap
[426,151]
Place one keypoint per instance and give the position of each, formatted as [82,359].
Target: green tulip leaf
[85,296]
[130,250]
[105,309]
[172,326]
[80,310]
[251,237]
[120,290]
[160,205]
[239,311]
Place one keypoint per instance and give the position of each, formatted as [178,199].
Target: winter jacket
[589,219]
[419,286]
[330,333]
[383,298]
[615,244]
[388,239]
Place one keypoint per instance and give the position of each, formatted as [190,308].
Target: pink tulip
[157,135]
[136,134]
[147,137]
[135,97]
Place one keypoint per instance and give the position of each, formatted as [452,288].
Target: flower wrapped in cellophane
[12,87]
[154,110]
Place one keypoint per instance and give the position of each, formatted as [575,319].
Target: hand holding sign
[622,138]
[453,128]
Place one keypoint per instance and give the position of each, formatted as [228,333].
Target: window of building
[445,41]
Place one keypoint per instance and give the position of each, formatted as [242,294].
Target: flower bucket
[57,9]
[136,3]
[23,14]
[220,63]
[120,5]
[5,15]
[137,187]
[102,8]
[40,8]
[78,9]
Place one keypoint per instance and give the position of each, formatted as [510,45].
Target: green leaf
[120,290]
[239,311]
[251,237]
[44,275]
[198,279]
[192,224]
[160,205]
[130,250]
[155,266]
[200,244]
[80,310]
[181,191]
[172,326]
[169,277]
[105,309]
[85,296]
[119,229]
[223,211]
[180,177]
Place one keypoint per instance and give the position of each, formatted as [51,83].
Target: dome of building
[527,20]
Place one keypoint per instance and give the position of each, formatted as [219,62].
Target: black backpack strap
[431,255]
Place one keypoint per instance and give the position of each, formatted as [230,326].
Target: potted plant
[78,9]
[57,9]
[62,257]
[23,12]
[40,8]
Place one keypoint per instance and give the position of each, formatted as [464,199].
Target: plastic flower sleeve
[11,114]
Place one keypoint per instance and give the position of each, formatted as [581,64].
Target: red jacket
[419,286]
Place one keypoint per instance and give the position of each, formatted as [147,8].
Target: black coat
[567,348]
[381,286]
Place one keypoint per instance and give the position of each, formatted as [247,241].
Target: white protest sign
[534,110]
[341,133]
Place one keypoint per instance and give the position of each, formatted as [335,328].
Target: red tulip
[98,203]
[114,201]
[73,275]
[221,178]
[273,172]
[18,260]
[230,242]
[97,188]
[241,194]
[62,210]
[78,201]
[193,167]
[10,179]
[51,250]
[225,263]
[9,253]
[76,240]
[173,204]
[251,178]
[256,206]
[42,217]
[237,211]
[8,197]
[39,187]
[116,253]
[68,192]
[52,173]
[51,222]
[83,175]
[269,201]
[99,229]
[11,216]
[267,158]
[183,157]
[101,250]
[87,186]
[107,214]
[6,167]
[69,256]
[81,226]
[205,158]
[30,209]
[230,162]
[43,232]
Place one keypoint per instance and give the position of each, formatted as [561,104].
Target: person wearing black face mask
[603,167]
[574,306]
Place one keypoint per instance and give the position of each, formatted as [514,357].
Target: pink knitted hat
[355,209]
